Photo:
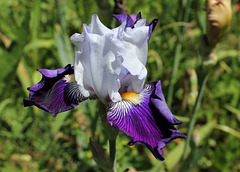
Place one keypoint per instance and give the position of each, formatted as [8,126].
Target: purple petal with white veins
[147,122]
[54,93]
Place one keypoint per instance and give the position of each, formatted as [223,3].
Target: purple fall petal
[149,122]
[160,108]
[54,93]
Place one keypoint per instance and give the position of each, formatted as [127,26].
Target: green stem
[174,74]
[112,134]
[194,117]
[186,5]
[112,150]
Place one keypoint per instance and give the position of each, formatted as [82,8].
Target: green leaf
[64,53]
[4,103]
[232,109]
[228,130]
[23,76]
[58,122]
[201,134]
[35,19]
[39,43]
[101,156]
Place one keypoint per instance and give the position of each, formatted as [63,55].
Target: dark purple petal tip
[152,26]
[139,16]
[121,18]
[130,21]
[149,122]
[54,93]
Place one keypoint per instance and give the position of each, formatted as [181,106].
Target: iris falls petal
[147,122]
[56,92]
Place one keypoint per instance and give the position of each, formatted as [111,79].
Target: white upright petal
[98,62]
[77,39]
[108,62]
[136,45]
[140,23]
[96,27]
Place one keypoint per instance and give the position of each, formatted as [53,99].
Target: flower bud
[219,15]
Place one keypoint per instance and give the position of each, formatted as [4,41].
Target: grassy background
[35,34]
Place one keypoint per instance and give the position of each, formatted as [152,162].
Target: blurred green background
[35,34]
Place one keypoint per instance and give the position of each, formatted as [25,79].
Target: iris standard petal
[98,61]
[136,46]
[139,16]
[135,39]
[139,118]
[56,92]
[130,23]
[152,26]
[108,61]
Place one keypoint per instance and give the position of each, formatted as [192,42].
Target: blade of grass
[35,19]
[65,56]
[232,109]
[23,76]
[62,38]
[174,156]
[228,130]
[58,122]
[177,56]
[197,156]
[39,43]
[4,103]
[194,117]
[34,26]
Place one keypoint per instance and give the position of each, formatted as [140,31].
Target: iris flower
[110,66]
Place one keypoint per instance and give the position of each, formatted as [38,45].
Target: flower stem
[112,150]
[112,134]
[193,120]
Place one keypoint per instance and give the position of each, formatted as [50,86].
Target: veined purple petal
[147,122]
[56,92]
